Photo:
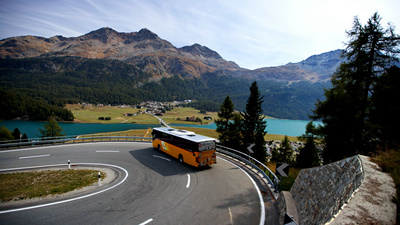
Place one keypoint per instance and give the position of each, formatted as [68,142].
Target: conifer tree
[254,124]
[225,115]
[308,156]
[51,129]
[346,112]
[229,125]
[24,137]
[384,120]
[16,134]
[284,153]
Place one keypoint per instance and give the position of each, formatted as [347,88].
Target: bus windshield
[208,145]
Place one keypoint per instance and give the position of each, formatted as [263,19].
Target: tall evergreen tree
[224,115]
[284,153]
[24,137]
[16,134]
[229,125]
[51,129]
[254,124]
[347,109]
[308,156]
[384,119]
[235,132]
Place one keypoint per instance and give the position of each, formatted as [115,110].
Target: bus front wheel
[180,158]
[158,148]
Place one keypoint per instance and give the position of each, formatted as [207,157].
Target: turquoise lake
[31,128]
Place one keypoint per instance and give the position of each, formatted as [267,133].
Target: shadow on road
[162,163]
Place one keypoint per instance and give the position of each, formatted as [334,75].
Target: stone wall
[319,193]
[286,205]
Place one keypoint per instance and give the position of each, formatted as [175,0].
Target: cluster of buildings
[154,108]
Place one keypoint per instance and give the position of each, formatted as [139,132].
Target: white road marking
[157,156]
[107,151]
[262,216]
[75,144]
[33,156]
[188,183]
[146,222]
[32,167]
[33,148]
[230,215]
[68,200]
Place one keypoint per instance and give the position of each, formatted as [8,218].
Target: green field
[90,114]
[174,115]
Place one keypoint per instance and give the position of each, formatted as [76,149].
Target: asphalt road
[150,188]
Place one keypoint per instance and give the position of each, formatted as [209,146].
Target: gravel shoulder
[372,203]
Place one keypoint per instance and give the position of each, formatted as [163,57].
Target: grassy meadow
[90,114]
[181,113]
[41,183]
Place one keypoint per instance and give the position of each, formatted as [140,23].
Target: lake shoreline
[31,128]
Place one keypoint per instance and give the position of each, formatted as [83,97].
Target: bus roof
[188,135]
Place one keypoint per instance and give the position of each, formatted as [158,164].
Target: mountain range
[159,58]
[106,66]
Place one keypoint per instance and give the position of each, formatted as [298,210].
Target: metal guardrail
[71,139]
[254,163]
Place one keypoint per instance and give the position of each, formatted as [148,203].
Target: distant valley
[109,67]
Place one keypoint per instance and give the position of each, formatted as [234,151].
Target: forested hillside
[14,104]
[60,80]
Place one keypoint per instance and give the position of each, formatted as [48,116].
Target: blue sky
[252,33]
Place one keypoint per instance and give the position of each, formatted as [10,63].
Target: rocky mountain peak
[200,51]
[146,34]
[103,31]
[324,64]
[324,60]
[142,35]
[315,68]
[104,35]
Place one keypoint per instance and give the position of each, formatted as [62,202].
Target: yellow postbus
[186,146]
